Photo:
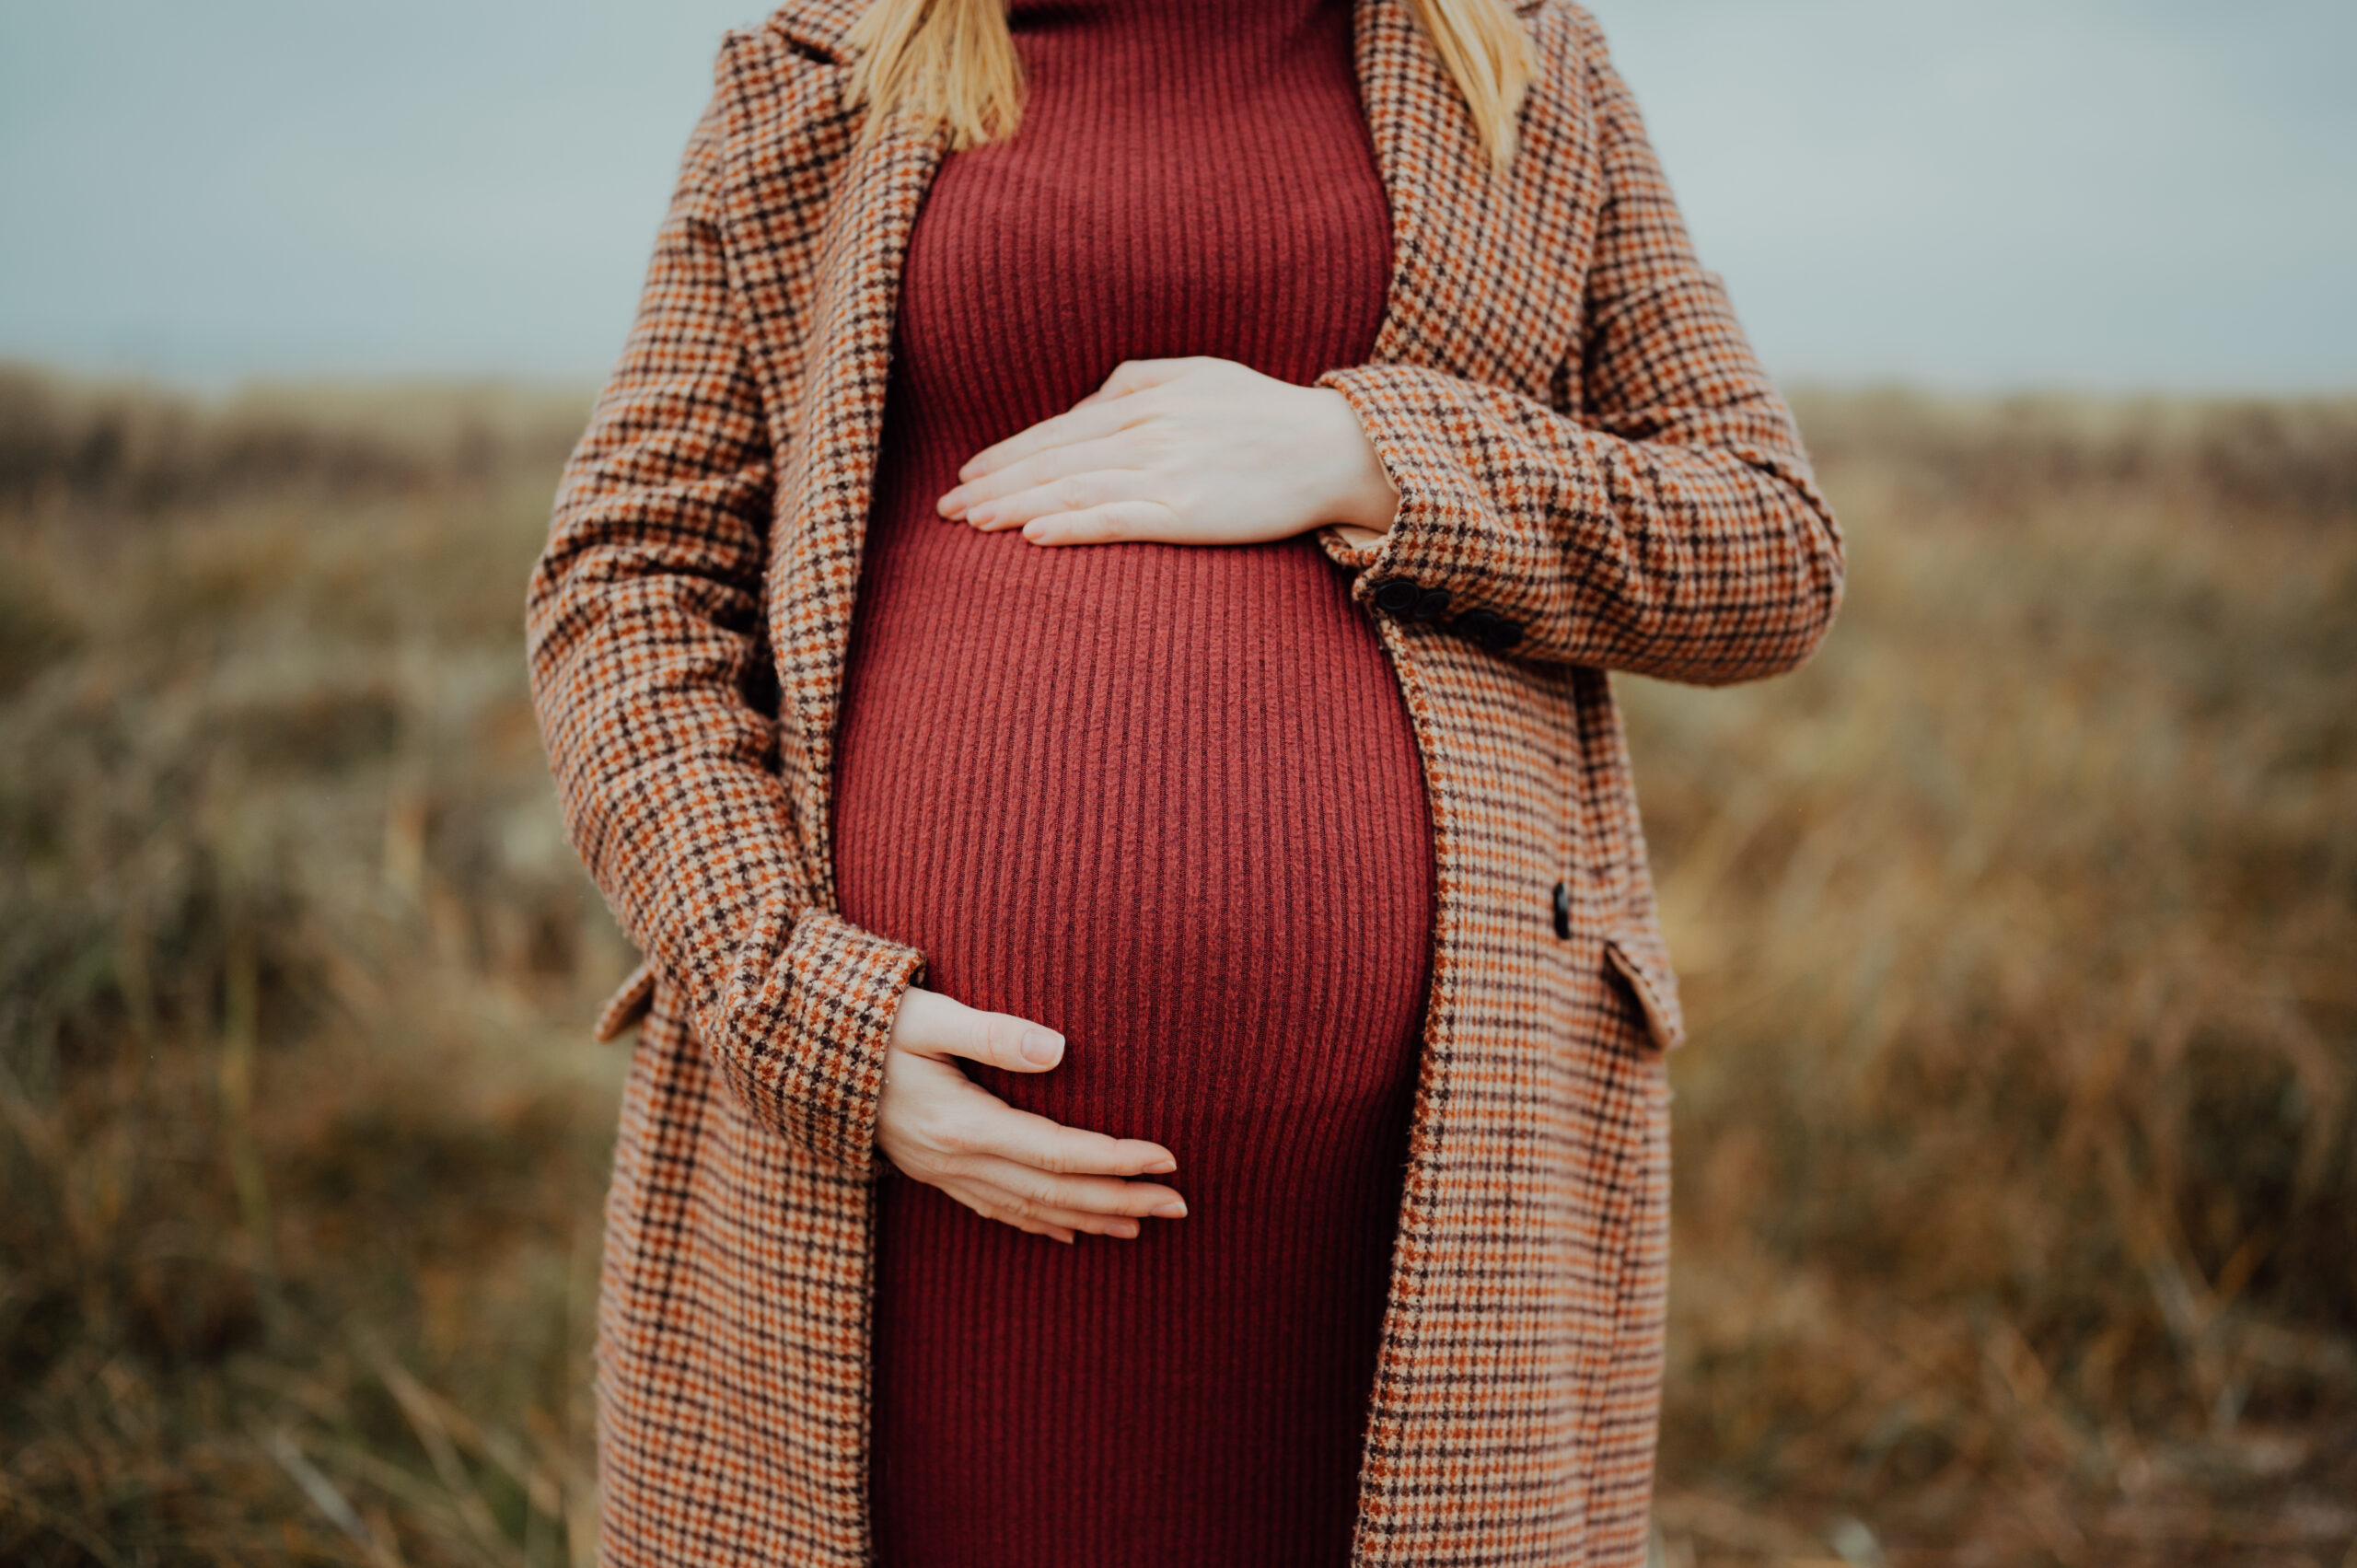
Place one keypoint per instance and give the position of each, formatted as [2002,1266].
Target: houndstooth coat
[1594,474]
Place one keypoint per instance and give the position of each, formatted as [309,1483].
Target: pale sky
[2101,194]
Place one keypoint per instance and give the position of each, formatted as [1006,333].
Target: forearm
[648,670]
[640,694]
[1648,507]
[1696,548]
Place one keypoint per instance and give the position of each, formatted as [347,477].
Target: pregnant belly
[1163,799]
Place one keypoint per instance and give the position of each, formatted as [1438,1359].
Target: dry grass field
[2016,1141]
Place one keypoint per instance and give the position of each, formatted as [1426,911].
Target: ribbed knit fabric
[1165,799]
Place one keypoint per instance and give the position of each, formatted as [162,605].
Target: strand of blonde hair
[951,64]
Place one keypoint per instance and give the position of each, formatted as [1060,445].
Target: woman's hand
[1185,451]
[941,1128]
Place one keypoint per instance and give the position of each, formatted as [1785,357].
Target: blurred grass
[2015,1146]
[2014,1156]
[301,1144]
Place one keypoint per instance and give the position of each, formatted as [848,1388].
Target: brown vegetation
[2017,1156]
[2018,1147]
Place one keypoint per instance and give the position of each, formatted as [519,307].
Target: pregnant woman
[1077,642]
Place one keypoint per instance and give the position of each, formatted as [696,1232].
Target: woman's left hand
[1184,451]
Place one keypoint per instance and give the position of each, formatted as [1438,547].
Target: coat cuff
[801,1028]
[1443,560]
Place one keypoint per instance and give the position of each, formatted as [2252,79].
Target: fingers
[1087,508]
[1095,415]
[986,1127]
[1137,375]
[994,1129]
[966,1119]
[1080,423]
[1113,521]
[1040,1219]
[1102,1197]
[989,1205]
[1042,1204]
[936,1025]
[1090,509]
[940,1127]
[1019,1168]
[1064,479]
[1113,451]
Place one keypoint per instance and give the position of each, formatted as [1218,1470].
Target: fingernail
[1041,1047]
[1162,1168]
[1126,1232]
[1173,1210]
[981,515]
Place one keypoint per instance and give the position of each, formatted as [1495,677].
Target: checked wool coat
[1594,474]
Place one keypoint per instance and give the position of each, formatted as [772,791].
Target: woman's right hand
[941,1128]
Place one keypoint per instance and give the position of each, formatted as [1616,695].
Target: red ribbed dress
[1163,799]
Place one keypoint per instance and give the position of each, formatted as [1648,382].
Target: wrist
[1364,500]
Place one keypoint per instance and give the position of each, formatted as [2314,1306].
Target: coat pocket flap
[628,1005]
[1644,964]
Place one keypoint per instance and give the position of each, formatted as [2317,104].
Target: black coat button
[1431,604]
[1487,628]
[1468,625]
[1562,910]
[1397,595]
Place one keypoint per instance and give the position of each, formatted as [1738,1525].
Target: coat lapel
[825,487]
[1474,290]
[1398,92]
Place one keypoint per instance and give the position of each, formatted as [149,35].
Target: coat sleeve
[648,672]
[1669,525]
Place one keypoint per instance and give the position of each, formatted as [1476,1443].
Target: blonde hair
[951,64]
